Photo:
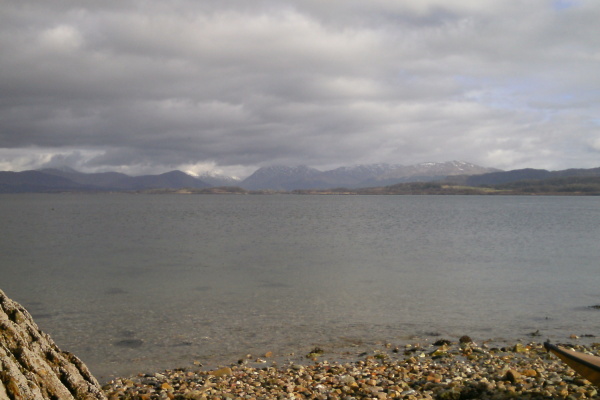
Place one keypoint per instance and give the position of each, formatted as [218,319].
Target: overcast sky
[151,86]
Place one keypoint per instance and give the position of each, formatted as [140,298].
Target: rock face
[33,367]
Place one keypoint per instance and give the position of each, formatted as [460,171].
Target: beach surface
[457,369]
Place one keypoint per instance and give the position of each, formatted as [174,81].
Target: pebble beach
[446,369]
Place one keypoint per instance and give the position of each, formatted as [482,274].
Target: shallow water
[141,282]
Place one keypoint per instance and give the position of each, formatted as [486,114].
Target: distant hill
[528,174]
[303,177]
[284,178]
[106,180]
[566,186]
[280,178]
[60,180]
[119,181]
[36,181]
[574,184]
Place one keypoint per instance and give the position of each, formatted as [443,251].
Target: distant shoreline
[420,188]
[512,183]
[445,191]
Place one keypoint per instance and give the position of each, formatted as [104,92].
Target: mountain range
[65,179]
[303,177]
[267,178]
[279,178]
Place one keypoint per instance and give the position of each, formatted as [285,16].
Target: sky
[146,86]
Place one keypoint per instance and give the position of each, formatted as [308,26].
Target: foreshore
[446,369]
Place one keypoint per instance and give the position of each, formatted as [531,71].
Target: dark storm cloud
[146,86]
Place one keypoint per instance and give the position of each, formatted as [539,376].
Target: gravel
[444,370]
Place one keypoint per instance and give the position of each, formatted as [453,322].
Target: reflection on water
[161,281]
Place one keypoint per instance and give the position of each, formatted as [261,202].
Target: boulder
[33,367]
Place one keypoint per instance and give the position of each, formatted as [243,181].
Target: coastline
[446,369]
[33,365]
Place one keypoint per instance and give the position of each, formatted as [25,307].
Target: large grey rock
[33,367]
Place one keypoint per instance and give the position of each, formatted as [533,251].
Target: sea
[144,282]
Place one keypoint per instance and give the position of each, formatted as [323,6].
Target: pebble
[465,371]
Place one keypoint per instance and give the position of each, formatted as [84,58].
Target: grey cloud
[153,85]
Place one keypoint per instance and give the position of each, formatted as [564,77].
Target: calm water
[141,282]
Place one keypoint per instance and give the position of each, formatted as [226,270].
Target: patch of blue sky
[560,5]
[525,95]
[495,94]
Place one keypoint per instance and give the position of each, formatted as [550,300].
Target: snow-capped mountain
[443,169]
[267,178]
[354,175]
[302,177]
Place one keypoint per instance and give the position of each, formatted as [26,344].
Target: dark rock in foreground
[33,367]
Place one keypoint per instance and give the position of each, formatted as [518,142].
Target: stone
[519,348]
[512,376]
[465,339]
[225,371]
[32,367]
[450,394]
